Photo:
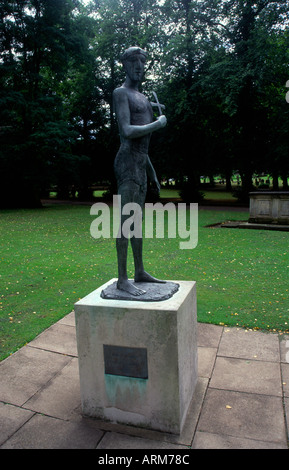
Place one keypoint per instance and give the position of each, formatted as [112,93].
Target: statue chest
[140,109]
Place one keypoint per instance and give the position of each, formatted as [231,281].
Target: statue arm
[152,174]
[122,111]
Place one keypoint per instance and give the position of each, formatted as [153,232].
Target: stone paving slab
[285,378]
[26,371]
[206,440]
[206,358]
[247,376]
[284,348]
[12,418]
[286,405]
[209,335]
[44,432]
[68,320]
[243,415]
[60,338]
[60,397]
[248,344]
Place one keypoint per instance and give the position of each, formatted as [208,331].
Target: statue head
[133,60]
[132,51]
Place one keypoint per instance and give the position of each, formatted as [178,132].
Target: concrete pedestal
[138,360]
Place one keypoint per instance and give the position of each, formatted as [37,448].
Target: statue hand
[163,120]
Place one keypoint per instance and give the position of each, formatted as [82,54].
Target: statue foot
[145,277]
[129,287]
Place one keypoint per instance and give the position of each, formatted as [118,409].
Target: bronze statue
[132,164]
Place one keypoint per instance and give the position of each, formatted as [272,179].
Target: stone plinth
[138,360]
[269,207]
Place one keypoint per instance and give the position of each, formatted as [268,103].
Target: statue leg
[140,274]
[137,247]
[127,193]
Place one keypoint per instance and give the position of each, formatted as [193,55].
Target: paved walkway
[241,400]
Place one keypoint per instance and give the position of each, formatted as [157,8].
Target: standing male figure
[132,164]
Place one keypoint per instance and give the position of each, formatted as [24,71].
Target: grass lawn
[48,260]
[219,194]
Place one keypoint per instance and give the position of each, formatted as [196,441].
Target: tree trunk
[228,181]
[247,181]
[275,182]
[285,182]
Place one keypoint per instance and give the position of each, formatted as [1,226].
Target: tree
[38,41]
[248,75]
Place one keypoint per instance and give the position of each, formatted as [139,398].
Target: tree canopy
[220,67]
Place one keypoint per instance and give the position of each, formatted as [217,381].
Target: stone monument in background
[269,207]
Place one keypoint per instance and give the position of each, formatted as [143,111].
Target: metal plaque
[129,362]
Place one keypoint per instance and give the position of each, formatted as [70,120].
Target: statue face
[134,67]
